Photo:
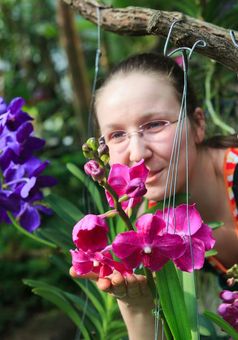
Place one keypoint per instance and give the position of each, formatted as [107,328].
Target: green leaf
[172,302]
[87,289]
[89,184]
[64,209]
[32,236]
[188,284]
[57,297]
[215,225]
[211,252]
[87,309]
[207,328]
[222,323]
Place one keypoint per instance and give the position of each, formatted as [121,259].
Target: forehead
[131,99]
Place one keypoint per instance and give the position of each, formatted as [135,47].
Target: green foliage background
[34,64]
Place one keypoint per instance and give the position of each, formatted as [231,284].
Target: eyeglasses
[118,139]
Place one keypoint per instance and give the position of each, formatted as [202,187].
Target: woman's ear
[200,125]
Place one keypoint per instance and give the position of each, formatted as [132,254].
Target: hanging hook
[198,43]
[235,42]
[169,35]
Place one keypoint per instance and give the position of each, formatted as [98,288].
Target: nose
[138,148]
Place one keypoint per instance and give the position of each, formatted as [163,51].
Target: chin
[155,195]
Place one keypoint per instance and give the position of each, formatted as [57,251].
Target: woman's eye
[117,135]
[155,125]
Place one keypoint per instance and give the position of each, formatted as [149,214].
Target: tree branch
[140,21]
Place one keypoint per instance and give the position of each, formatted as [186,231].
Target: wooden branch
[140,21]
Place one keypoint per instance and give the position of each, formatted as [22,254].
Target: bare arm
[134,300]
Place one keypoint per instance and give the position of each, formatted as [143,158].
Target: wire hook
[169,35]
[235,42]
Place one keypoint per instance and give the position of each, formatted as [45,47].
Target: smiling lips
[153,175]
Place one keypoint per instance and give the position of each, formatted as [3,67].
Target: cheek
[117,158]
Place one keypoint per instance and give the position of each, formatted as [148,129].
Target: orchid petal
[139,170]
[205,235]
[188,262]
[119,170]
[155,261]
[184,219]
[81,262]
[171,246]
[149,225]
[126,243]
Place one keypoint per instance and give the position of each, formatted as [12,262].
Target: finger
[133,287]
[90,276]
[143,284]
[104,284]
[118,285]
[117,278]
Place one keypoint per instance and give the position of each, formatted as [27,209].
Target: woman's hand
[131,289]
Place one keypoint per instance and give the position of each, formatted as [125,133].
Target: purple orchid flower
[150,245]
[12,115]
[18,146]
[93,169]
[186,222]
[20,191]
[229,308]
[128,181]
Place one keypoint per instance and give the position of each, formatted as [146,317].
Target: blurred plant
[21,172]
[229,307]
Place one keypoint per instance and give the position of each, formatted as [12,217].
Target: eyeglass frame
[139,131]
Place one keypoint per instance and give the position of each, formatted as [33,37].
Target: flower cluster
[92,253]
[21,172]
[229,308]
[177,234]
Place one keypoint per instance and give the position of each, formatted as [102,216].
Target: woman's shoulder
[224,160]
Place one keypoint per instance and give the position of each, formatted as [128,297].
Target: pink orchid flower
[90,233]
[101,263]
[128,181]
[187,222]
[86,262]
[146,246]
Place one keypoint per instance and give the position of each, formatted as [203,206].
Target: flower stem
[117,205]
[151,282]
[30,235]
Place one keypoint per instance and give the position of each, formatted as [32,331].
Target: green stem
[118,206]
[30,235]
[151,282]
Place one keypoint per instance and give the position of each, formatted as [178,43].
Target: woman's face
[129,101]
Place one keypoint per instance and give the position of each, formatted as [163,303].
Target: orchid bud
[136,188]
[103,153]
[231,282]
[103,150]
[87,151]
[109,214]
[93,169]
[92,143]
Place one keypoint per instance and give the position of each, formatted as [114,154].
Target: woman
[143,94]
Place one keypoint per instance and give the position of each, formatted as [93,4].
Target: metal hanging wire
[96,70]
[90,132]
[172,176]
